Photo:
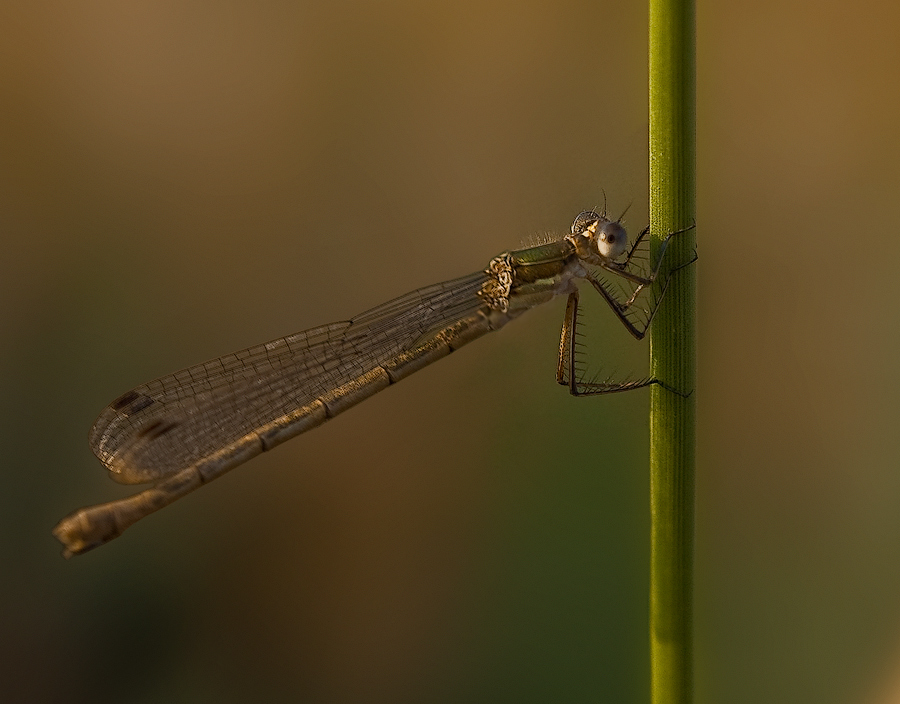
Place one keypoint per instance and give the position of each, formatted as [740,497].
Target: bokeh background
[183,179]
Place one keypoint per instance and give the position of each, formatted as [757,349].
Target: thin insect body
[185,429]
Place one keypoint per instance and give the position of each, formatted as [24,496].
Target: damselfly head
[608,239]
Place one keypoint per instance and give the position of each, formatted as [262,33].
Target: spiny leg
[567,372]
[637,242]
[622,308]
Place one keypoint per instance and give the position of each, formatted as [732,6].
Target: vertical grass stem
[672,352]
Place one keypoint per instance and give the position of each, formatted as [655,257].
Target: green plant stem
[672,352]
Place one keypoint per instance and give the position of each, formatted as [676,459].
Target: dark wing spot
[131,403]
[123,401]
[157,428]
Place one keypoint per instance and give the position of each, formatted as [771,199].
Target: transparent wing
[172,422]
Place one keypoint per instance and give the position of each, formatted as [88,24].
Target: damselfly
[184,430]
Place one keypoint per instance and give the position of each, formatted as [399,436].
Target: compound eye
[612,240]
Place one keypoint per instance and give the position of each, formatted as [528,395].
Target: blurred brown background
[180,180]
